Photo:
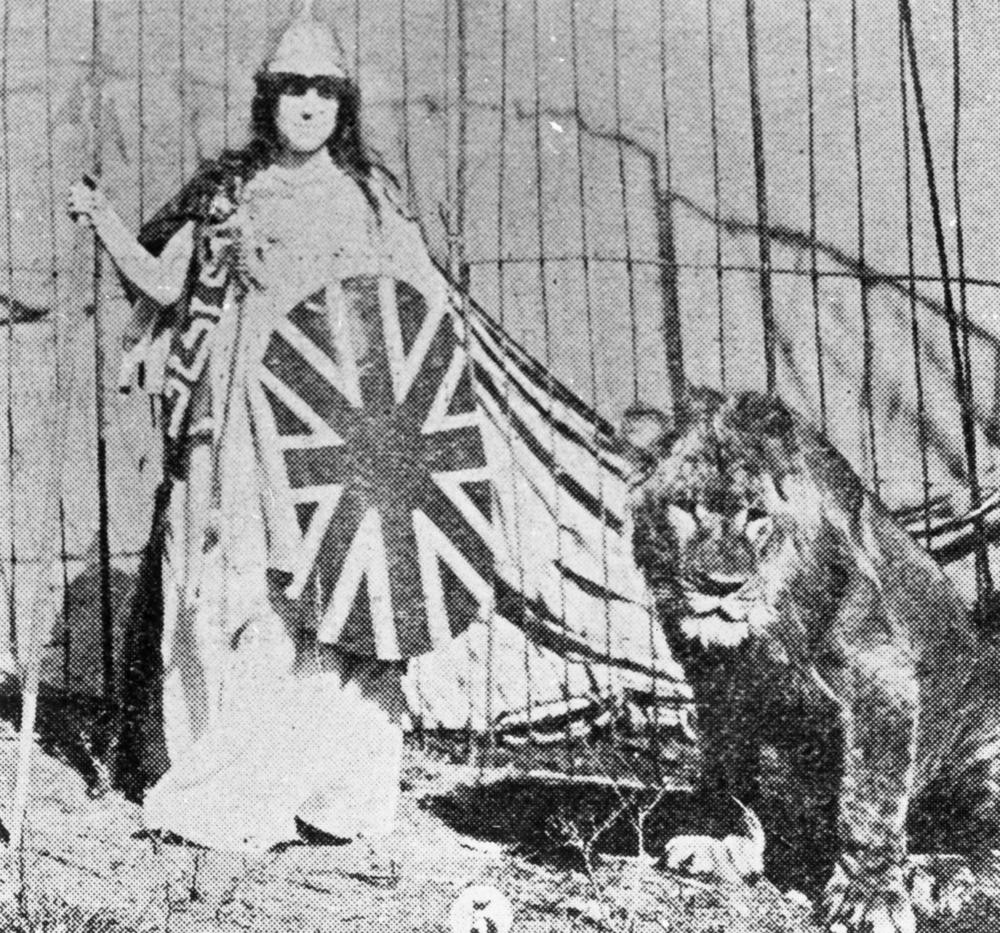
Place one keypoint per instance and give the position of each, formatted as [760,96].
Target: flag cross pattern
[375,416]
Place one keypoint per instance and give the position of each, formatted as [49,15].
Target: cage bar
[867,387]
[716,184]
[813,217]
[918,369]
[962,387]
[763,224]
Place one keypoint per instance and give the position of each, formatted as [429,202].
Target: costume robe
[266,726]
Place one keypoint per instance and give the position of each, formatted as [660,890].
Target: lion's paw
[939,885]
[856,901]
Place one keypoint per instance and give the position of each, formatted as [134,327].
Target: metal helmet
[308,46]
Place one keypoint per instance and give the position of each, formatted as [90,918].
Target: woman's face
[306,121]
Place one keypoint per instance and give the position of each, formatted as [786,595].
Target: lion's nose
[719,584]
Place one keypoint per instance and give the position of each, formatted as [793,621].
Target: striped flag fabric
[371,427]
[441,498]
[572,630]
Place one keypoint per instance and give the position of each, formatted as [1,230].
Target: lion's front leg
[877,697]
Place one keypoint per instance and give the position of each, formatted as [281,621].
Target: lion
[817,634]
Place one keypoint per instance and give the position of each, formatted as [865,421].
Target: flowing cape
[438,496]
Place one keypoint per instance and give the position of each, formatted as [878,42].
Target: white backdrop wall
[609,212]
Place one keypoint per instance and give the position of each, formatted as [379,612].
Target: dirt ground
[90,868]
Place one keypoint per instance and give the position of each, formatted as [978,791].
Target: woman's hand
[85,201]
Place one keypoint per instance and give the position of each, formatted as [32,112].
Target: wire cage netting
[792,197]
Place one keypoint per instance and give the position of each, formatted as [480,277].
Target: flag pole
[48,573]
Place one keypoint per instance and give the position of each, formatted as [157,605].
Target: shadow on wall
[114,741]
[73,660]
[895,407]
[74,723]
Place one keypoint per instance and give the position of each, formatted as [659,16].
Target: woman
[271,733]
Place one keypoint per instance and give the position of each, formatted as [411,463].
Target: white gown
[263,724]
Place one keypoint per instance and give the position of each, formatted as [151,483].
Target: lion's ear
[760,414]
[698,403]
[647,432]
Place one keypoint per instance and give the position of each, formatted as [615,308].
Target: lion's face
[718,532]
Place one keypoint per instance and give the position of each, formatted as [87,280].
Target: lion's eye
[686,505]
[684,522]
[758,526]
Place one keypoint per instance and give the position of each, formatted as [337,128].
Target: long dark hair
[234,168]
[346,146]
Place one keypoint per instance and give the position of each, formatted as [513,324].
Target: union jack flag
[376,444]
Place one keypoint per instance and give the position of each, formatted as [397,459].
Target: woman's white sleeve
[161,278]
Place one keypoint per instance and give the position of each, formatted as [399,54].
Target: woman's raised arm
[160,277]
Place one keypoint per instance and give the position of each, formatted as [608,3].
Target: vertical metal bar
[984,582]
[588,304]
[918,369]
[962,388]
[623,191]
[182,78]
[462,142]
[141,143]
[716,185]
[411,195]
[103,531]
[544,295]
[453,233]
[813,257]
[449,196]
[867,375]
[357,40]
[763,223]
[67,607]
[9,332]
[956,118]
[225,73]
[529,697]
[61,387]
[673,332]
[463,282]
[405,66]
